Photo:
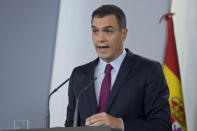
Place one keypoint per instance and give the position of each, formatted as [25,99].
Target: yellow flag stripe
[174,83]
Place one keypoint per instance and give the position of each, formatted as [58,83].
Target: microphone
[48,109]
[77,102]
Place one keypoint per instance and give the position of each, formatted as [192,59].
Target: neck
[110,60]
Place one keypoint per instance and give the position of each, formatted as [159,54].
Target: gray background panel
[27,39]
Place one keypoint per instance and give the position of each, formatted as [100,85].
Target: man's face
[107,37]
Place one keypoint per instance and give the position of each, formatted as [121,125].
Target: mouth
[103,49]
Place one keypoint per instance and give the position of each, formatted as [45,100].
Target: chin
[106,59]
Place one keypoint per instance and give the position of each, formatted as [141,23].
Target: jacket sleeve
[71,103]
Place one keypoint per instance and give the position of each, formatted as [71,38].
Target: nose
[101,37]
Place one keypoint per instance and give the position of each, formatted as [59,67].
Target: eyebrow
[106,27]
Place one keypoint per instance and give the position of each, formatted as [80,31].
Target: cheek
[93,40]
[116,42]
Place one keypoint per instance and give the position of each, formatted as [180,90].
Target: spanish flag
[172,74]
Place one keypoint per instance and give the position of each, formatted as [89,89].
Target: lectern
[106,128]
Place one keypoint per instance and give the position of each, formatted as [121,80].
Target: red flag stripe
[171,59]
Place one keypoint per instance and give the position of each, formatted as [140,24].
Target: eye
[95,31]
[108,31]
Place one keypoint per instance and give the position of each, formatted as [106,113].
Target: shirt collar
[115,63]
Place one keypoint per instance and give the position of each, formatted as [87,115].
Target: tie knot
[108,68]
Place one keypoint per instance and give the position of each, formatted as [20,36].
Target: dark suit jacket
[139,95]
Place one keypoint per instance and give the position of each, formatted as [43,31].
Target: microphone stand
[77,102]
[48,108]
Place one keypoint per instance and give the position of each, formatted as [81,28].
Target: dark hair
[105,10]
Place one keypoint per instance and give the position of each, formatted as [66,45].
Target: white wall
[185,26]
[74,45]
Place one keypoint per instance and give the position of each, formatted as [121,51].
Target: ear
[124,33]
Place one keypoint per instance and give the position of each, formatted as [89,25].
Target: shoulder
[85,68]
[140,60]
[149,71]
[143,64]
[82,74]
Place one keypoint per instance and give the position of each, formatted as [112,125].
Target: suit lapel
[91,97]
[126,66]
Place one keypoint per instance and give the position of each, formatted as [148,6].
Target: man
[130,91]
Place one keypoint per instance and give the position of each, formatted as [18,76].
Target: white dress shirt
[99,72]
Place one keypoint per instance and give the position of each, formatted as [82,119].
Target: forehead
[109,20]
